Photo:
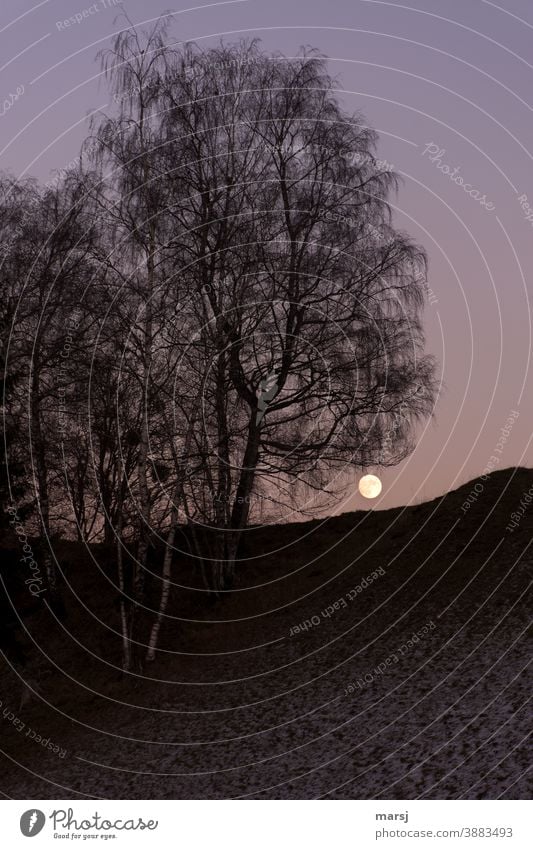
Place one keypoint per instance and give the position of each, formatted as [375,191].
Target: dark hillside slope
[371,654]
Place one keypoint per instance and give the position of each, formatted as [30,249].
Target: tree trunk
[144,490]
[169,546]
[126,645]
[241,502]
[41,473]
[165,593]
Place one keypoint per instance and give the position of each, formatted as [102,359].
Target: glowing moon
[369,486]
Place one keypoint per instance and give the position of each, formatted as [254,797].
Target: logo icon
[32,822]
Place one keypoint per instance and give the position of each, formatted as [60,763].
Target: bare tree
[48,262]
[248,327]
[130,198]
[306,297]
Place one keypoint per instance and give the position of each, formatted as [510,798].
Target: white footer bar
[268,824]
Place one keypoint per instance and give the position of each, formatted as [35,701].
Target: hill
[371,654]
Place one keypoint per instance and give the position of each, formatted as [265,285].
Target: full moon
[369,486]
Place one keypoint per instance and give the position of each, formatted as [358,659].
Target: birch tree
[309,300]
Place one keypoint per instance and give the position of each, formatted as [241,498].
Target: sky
[449,88]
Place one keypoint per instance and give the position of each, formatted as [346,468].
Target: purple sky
[457,75]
